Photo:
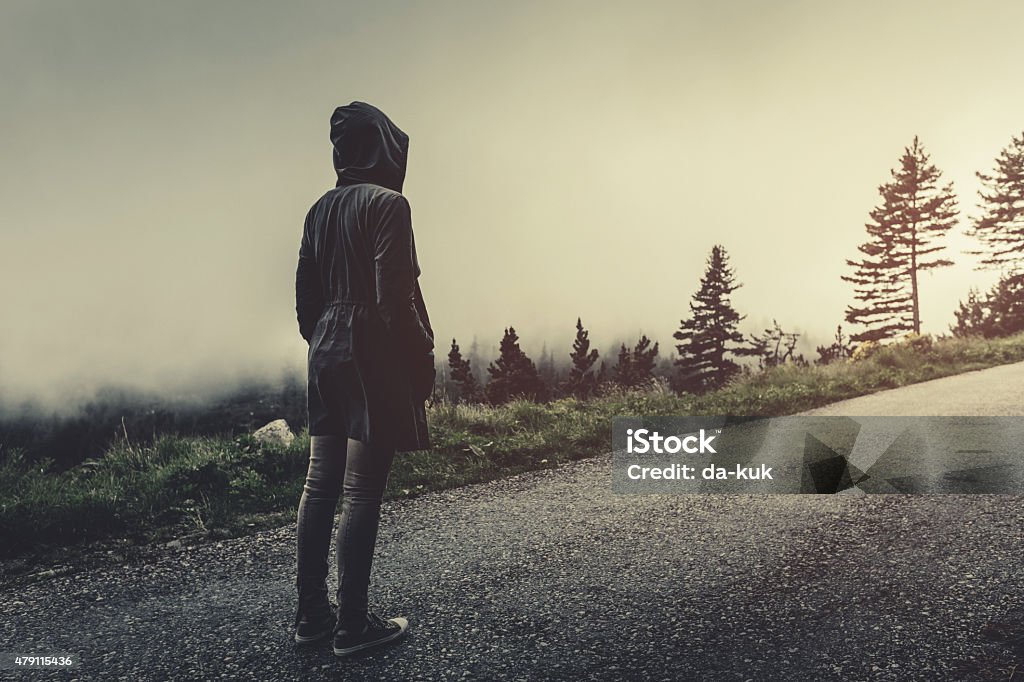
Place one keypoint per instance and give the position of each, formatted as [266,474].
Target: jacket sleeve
[421,309]
[309,297]
[399,302]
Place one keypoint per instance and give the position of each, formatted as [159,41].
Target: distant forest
[68,438]
[905,236]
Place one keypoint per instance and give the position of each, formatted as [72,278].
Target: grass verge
[221,486]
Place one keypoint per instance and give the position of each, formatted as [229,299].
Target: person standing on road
[370,369]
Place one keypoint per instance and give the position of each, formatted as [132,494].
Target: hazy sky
[567,158]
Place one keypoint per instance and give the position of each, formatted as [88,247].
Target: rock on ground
[276,432]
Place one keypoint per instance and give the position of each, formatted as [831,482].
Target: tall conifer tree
[903,241]
[1000,227]
[710,338]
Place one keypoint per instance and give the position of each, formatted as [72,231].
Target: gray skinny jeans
[358,473]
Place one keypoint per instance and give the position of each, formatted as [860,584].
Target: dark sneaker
[376,632]
[312,627]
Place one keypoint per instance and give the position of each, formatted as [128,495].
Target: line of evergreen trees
[706,356]
[906,232]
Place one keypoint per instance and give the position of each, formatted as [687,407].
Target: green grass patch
[217,485]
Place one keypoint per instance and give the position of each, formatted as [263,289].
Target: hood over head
[368,147]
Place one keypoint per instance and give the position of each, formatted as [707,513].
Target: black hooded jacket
[357,297]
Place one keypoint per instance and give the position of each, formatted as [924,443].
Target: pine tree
[581,381]
[971,315]
[462,375]
[513,374]
[998,313]
[709,337]
[1000,227]
[636,367]
[903,241]
[1005,305]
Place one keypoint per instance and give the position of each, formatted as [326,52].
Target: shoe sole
[300,639]
[402,624]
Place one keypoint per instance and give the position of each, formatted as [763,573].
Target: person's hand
[423,375]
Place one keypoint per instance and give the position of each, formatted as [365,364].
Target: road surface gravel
[550,576]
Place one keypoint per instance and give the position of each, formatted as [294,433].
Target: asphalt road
[550,575]
[994,392]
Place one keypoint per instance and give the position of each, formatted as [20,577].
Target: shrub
[864,351]
[920,343]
